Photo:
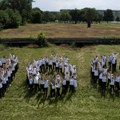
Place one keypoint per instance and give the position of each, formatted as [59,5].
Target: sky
[56,5]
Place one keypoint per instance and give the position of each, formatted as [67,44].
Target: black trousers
[1,92]
[57,69]
[36,87]
[54,64]
[111,89]
[52,92]
[71,88]
[50,67]
[58,91]
[41,87]
[100,82]
[117,85]
[31,87]
[45,92]
[104,86]
[64,89]
[109,65]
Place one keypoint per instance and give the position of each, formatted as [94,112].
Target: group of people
[64,77]
[104,74]
[8,68]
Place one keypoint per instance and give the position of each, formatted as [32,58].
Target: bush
[36,16]
[3,19]
[14,19]
[42,42]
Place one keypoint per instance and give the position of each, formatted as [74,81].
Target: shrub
[42,42]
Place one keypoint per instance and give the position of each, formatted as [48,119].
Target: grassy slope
[64,30]
[85,104]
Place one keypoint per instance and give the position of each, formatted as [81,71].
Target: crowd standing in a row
[103,73]
[64,77]
[8,68]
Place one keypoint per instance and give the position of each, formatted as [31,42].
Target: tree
[3,19]
[23,6]
[74,15]
[117,18]
[65,16]
[89,14]
[36,16]
[108,15]
[14,19]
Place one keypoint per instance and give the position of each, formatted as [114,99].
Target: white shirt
[30,81]
[1,85]
[95,72]
[64,82]
[75,83]
[104,79]
[112,82]
[117,79]
[36,80]
[71,81]
[46,84]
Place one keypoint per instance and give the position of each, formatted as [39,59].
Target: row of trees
[18,12]
[88,15]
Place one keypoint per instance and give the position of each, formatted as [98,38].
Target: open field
[110,30]
[85,104]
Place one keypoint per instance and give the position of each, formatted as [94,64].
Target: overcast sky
[56,5]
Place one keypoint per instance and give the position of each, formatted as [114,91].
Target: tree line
[14,13]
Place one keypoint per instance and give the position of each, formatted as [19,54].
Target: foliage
[108,15]
[42,42]
[36,16]
[74,15]
[117,18]
[65,16]
[10,18]
[23,6]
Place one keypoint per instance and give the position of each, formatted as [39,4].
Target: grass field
[64,31]
[85,104]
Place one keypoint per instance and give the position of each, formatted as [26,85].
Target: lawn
[53,30]
[85,104]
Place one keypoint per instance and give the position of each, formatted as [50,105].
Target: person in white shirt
[58,85]
[50,64]
[42,82]
[31,83]
[54,62]
[52,87]
[95,76]
[109,76]
[45,87]
[100,80]
[36,83]
[117,82]
[1,89]
[71,85]
[64,86]
[114,62]
[104,80]
[112,86]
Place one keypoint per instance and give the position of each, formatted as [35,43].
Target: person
[42,82]
[67,78]
[58,85]
[112,86]
[54,62]
[52,88]
[104,80]
[50,64]
[95,76]
[45,87]
[30,78]
[1,89]
[64,86]
[109,76]
[71,85]
[100,80]
[117,81]
[35,81]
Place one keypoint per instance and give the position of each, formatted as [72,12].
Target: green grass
[85,104]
